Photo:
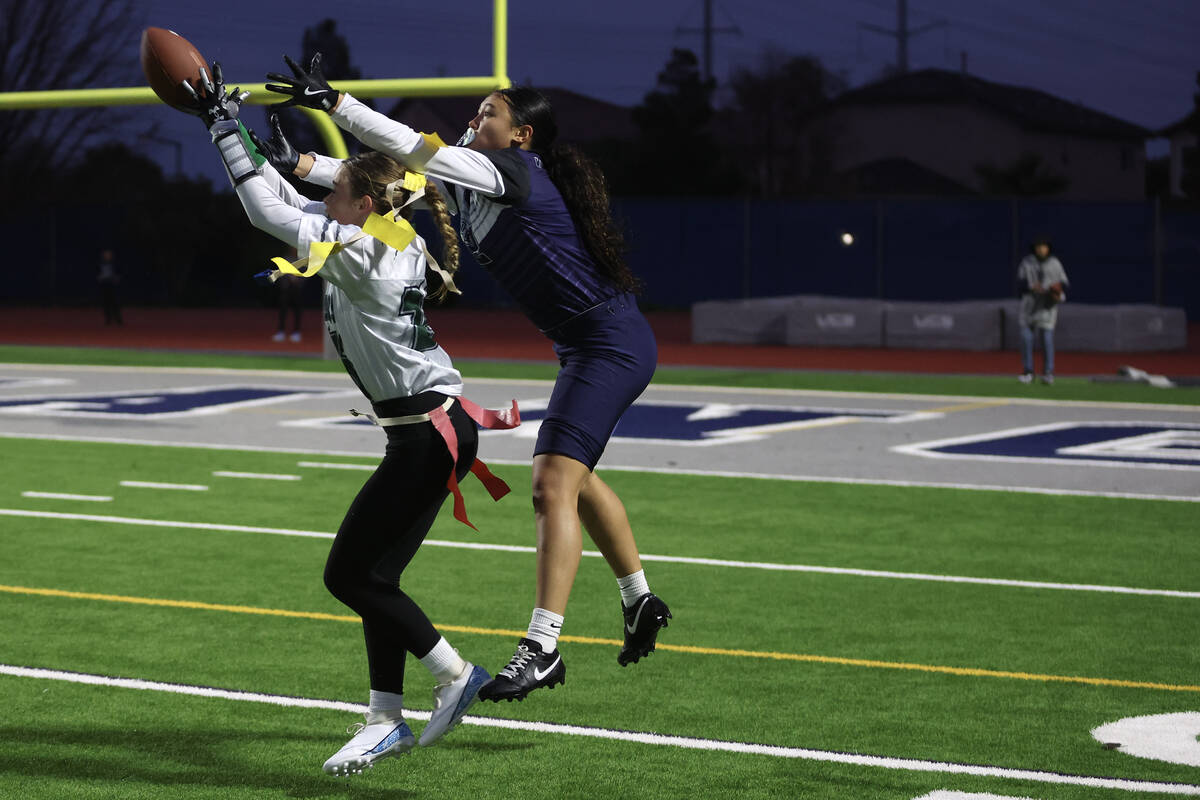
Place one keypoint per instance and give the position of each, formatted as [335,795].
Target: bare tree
[770,105]
[61,44]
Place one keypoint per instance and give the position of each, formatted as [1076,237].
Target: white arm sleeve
[268,211]
[282,189]
[456,165]
[324,170]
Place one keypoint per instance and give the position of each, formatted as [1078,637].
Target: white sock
[385,705]
[632,587]
[544,628]
[443,661]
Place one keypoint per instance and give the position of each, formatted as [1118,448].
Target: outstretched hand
[277,150]
[309,89]
[215,104]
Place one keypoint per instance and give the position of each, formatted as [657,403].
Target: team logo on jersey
[1153,445]
[154,403]
[686,424]
[466,230]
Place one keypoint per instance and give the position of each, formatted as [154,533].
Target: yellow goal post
[332,137]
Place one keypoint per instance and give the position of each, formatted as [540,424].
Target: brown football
[168,60]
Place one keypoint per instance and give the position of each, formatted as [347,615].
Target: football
[168,60]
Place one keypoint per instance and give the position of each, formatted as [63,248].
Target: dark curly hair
[581,183]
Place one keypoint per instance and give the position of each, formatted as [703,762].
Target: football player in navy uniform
[373,300]
[535,214]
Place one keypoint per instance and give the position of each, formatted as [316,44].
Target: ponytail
[580,182]
[441,218]
[584,190]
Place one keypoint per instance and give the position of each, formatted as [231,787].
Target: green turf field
[222,588]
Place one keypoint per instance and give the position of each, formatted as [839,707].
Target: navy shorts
[608,355]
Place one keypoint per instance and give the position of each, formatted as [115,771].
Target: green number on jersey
[413,304]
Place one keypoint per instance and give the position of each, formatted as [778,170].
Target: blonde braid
[441,216]
[369,173]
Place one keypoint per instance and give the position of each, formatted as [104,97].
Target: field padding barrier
[826,321]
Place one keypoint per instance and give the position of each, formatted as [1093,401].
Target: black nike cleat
[642,621]
[529,669]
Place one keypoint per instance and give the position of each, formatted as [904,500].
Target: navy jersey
[509,213]
[527,240]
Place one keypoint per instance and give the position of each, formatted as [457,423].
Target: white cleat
[451,701]
[378,738]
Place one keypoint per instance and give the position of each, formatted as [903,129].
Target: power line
[708,30]
[902,33]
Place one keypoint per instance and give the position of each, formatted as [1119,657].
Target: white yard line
[635,737]
[333,465]
[233,448]
[91,498]
[262,476]
[179,487]
[707,562]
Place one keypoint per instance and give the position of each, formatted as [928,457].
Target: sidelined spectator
[108,278]
[1041,282]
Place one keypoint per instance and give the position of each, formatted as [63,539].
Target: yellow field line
[678,648]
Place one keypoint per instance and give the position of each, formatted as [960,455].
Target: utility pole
[707,31]
[902,33]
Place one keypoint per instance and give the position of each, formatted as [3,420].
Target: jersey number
[412,304]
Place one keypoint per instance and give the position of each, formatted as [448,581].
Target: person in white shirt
[535,215]
[373,303]
[1042,283]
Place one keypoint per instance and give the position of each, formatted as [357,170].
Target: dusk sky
[1135,59]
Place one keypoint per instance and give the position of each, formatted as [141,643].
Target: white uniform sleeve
[269,212]
[456,165]
[324,170]
[282,189]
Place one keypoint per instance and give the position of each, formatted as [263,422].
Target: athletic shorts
[608,355]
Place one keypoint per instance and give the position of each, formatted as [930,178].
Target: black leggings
[385,525]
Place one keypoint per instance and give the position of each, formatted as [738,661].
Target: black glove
[216,104]
[308,89]
[277,150]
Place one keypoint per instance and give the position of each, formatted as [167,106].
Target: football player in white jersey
[535,215]
[374,296]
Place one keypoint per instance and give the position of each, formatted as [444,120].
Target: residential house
[930,132]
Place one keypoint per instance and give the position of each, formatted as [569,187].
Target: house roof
[1030,108]
[580,118]
[1188,122]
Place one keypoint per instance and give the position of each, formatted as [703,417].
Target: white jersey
[374,295]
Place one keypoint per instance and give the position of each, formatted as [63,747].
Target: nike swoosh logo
[310,92]
[633,628]
[539,674]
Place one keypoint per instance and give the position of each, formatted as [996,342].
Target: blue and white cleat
[451,701]
[378,738]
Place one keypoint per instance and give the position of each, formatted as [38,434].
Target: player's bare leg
[607,524]
[557,481]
